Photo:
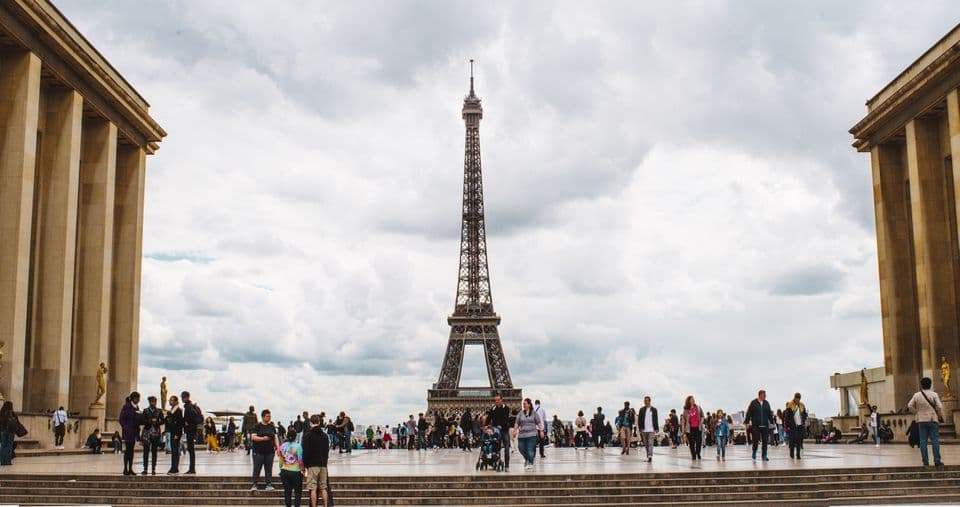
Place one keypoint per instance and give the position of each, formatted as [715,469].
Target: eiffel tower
[473,322]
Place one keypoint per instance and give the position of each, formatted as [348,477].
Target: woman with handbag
[10,427]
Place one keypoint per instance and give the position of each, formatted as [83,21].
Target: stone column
[934,251]
[58,173]
[898,298]
[19,110]
[98,158]
[127,251]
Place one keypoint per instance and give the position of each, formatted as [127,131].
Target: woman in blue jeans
[529,430]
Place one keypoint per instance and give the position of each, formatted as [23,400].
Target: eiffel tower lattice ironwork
[473,322]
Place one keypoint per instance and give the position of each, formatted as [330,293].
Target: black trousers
[191,448]
[292,487]
[150,450]
[58,432]
[128,455]
[505,444]
[695,441]
[796,441]
[760,438]
[598,439]
[541,441]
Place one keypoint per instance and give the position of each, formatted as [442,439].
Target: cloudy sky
[673,205]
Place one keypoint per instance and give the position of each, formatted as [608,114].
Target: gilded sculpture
[864,398]
[101,383]
[163,393]
[945,377]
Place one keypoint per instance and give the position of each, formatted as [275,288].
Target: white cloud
[673,205]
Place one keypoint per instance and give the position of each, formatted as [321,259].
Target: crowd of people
[303,445]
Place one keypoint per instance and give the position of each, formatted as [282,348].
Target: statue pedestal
[863,413]
[99,411]
[948,407]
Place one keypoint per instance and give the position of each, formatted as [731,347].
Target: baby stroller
[490,451]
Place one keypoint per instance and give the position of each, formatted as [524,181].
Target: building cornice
[920,87]
[41,28]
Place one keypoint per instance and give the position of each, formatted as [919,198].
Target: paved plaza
[558,461]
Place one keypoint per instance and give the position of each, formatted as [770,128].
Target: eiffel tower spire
[473,282]
[473,321]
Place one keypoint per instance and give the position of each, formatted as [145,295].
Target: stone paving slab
[449,462]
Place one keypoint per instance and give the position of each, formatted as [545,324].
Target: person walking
[625,421]
[265,445]
[9,425]
[422,427]
[795,422]
[649,425]
[581,436]
[928,408]
[598,428]
[210,435]
[173,425]
[500,418]
[59,427]
[192,419]
[466,428]
[691,423]
[874,424]
[528,429]
[291,465]
[246,427]
[721,433]
[130,428]
[411,428]
[316,452]
[758,418]
[543,419]
[152,418]
[674,428]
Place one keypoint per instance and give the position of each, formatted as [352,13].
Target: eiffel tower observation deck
[474,321]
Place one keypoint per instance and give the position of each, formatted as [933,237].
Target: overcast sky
[673,205]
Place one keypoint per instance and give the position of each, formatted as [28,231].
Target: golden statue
[101,383]
[163,394]
[945,377]
[864,399]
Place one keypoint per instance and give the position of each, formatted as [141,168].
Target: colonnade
[71,223]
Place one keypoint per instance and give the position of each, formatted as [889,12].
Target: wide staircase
[788,487]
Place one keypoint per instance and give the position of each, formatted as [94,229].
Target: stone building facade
[74,139]
[912,133]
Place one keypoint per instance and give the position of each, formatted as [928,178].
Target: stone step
[235,490]
[499,497]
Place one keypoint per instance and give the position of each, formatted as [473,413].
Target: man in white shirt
[649,426]
[59,427]
[927,407]
[543,417]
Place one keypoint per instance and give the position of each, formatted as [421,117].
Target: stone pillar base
[948,407]
[99,411]
[863,413]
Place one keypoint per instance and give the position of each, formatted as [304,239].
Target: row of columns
[71,215]
[915,195]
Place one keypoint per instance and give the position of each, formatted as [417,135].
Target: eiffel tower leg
[497,365]
[452,366]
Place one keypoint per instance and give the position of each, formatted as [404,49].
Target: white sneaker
[528,467]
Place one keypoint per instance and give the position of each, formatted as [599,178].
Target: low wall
[40,429]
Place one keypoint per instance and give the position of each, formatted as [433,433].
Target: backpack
[196,415]
[350,427]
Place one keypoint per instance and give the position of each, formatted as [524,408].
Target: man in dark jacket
[152,419]
[597,425]
[758,418]
[249,421]
[795,420]
[422,427]
[649,425]
[192,419]
[500,418]
[316,451]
